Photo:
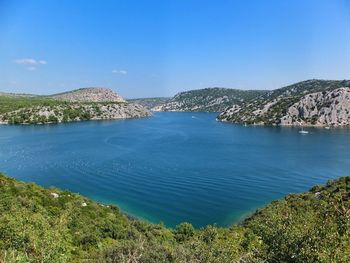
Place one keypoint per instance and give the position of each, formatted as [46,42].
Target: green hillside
[11,103]
[51,225]
[209,99]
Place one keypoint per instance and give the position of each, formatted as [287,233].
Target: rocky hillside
[89,95]
[83,104]
[311,102]
[209,99]
[74,112]
[327,108]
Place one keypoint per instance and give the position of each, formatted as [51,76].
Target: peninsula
[76,105]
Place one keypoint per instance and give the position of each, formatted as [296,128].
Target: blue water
[176,167]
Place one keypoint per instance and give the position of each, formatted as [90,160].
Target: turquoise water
[176,167]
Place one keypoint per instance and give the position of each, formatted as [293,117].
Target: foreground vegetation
[50,225]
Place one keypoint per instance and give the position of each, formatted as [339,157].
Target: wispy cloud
[31,68]
[119,71]
[30,61]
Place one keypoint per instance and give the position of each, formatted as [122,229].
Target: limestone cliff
[311,102]
[331,108]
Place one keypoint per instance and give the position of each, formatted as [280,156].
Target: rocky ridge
[89,95]
[208,100]
[312,102]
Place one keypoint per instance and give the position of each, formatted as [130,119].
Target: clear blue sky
[157,48]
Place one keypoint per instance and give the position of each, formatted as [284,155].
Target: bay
[175,167]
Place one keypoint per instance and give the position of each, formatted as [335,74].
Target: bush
[183,232]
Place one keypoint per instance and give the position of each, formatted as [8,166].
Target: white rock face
[223,116]
[330,108]
[157,108]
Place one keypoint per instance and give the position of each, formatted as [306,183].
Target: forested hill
[209,99]
[51,225]
[311,102]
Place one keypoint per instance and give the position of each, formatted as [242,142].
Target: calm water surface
[175,167]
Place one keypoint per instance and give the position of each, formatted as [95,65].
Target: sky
[161,47]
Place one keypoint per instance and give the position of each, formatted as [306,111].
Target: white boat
[327,127]
[302,131]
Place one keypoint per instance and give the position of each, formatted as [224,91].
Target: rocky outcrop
[89,95]
[230,111]
[330,108]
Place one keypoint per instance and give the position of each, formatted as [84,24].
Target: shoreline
[75,121]
[288,125]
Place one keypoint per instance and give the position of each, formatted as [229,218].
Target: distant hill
[311,102]
[209,99]
[10,94]
[76,105]
[150,103]
[89,95]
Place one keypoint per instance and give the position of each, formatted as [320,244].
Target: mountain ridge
[273,107]
[89,94]
[208,99]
